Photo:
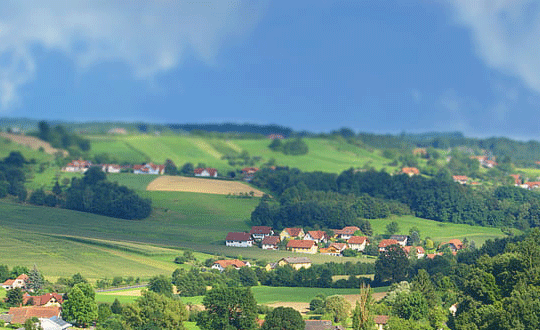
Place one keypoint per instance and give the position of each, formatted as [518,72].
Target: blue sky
[373,66]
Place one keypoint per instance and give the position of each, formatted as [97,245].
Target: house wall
[239,243]
[312,250]
[269,247]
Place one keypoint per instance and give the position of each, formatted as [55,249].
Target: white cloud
[506,35]
[149,36]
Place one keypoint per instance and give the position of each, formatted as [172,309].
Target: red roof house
[21,314]
[210,172]
[385,243]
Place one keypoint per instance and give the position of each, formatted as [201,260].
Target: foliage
[293,147]
[14,297]
[189,283]
[284,318]
[338,307]
[80,307]
[362,319]
[35,280]
[161,284]
[155,311]
[228,308]
[392,265]
[59,137]
[392,228]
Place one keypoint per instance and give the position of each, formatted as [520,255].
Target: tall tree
[155,311]
[35,280]
[284,318]
[161,284]
[228,308]
[338,307]
[392,265]
[80,306]
[362,318]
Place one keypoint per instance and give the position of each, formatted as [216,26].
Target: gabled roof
[261,230]
[419,249]
[357,240]
[8,282]
[387,242]
[455,242]
[21,314]
[238,237]
[23,277]
[349,230]
[410,170]
[301,244]
[211,171]
[322,325]
[339,246]
[400,238]
[381,319]
[271,240]
[249,170]
[317,234]
[433,255]
[43,299]
[293,232]
[235,263]
[296,260]
[460,177]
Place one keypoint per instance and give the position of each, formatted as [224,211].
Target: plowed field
[198,185]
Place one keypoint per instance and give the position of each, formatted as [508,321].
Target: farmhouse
[410,171]
[358,243]
[235,263]
[209,172]
[401,239]
[346,232]
[454,245]
[111,168]
[295,262]
[383,244]
[54,323]
[302,246]
[48,299]
[270,242]
[21,314]
[418,250]
[460,179]
[77,166]
[318,236]
[239,240]
[148,168]
[335,249]
[19,282]
[291,233]
[259,232]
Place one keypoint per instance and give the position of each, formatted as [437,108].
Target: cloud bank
[506,35]
[151,37]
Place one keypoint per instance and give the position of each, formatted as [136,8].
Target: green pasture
[132,181]
[7,146]
[438,231]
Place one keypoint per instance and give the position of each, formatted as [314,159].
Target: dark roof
[322,325]
[270,240]
[303,243]
[293,232]
[296,260]
[262,230]
[238,237]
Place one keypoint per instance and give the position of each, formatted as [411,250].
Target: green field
[324,154]
[6,146]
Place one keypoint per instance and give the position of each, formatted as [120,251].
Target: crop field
[199,185]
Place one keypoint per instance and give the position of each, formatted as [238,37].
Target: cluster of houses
[300,241]
[318,241]
[46,308]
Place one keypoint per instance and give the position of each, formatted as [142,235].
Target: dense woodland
[331,201]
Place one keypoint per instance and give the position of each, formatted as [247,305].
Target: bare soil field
[198,185]
[303,307]
[33,142]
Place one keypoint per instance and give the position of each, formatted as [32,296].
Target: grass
[439,231]
[7,146]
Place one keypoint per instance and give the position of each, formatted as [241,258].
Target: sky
[374,66]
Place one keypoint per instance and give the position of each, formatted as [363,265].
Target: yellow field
[33,143]
[198,185]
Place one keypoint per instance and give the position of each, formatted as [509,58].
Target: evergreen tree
[35,280]
[14,297]
[57,190]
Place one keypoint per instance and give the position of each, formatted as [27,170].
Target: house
[433,255]
[239,240]
[489,163]
[111,168]
[410,171]
[316,235]
[454,245]
[259,232]
[381,321]
[77,166]
[517,179]
[48,299]
[383,244]
[419,152]
[54,323]
[346,232]
[118,130]
[21,314]
[460,179]
[322,325]
[531,185]
[295,262]
[235,263]
[335,249]
[418,250]
[302,246]
[291,233]
[209,172]
[148,168]
[401,239]
[358,243]
[19,282]
[270,242]
[249,173]
[275,136]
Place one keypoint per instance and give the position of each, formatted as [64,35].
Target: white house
[222,264]
[19,282]
[111,168]
[77,166]
[358,243]
[270,242]
[239,240]
[148,168]
[209,172]
[260,232]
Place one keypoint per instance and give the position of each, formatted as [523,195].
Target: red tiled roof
[517,178]
[21,314]
[270,240]
[433,255]
[455,242]
[339,246]
[357,240]
[460,178]
[8,282]
[262,230]
[23,277]
[381,319]
[410,170]
[302,244]
[293,232]
[211,171]
[235,263]
[419,249]
[43,299]
[249,170]
[238,237]
[387,242]
[317,234]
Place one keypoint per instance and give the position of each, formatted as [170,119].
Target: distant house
[489,163]
[418,250]
[383,244]
[239,239]
[358,243]
[346,232]
[460,179]
[77,166]
[21,314]
[207,172]
[381,321]
[454,245]
[111,168]
[517,179]
[275,136]
[302,246]
[270,242]
[318,236]
[249,172]
[148,168]
[531,185]
[48,299]
[419,152]
[335,249]
[401,239]
[259,232]
[294,262]
[19,282]
[120,131]
[322,325]
[291,233]
[54,323]
[235,263]
[433,255]
[410,171]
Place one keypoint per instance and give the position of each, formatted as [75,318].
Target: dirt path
[33,142]
[198,185]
